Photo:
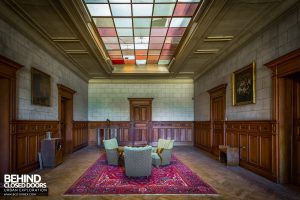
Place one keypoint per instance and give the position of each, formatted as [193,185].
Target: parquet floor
[230,182]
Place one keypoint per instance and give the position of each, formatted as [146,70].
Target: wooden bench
[229,155]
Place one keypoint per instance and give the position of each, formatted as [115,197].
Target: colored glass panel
[103,22]
[152,61]
[161,22]
[123,22]
[117,61]
[114,53]
[150,57]
[167,52]
[127,46]
[155,46]
[141,39]
[141,57]
[120,9]
[154,52]
[99,9]
[163,62]
[185,9]
[142,22]
[141,62]
[129,62]
[169,46]
[139,32]
[180,21]
[124,32]
[157,39]
[176,31]
[163,9]
[107,32]
[126,40]
[159,31]
[173,40]
[111,40]
[142,9]
[112,46]
[141,52]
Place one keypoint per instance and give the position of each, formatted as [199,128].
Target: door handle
[243,147]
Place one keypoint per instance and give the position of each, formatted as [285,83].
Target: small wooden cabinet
[51,150]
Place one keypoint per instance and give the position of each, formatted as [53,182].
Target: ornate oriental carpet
[176,178]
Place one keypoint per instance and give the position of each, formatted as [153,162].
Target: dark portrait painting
[243,85]
[40,88]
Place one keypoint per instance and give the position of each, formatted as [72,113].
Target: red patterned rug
[175,178]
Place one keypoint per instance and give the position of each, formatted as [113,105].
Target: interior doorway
[65,112]
[140,119]
[286,111]
[217,117]
[8,70]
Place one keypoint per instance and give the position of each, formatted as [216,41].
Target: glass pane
[95,1]
[189,0]
[161,22]
[141,39]
[154,52]
[180,22]
[119,1]
[153,57]
[129,62]
[127,46]
[114,53]
[185,9]
[152,61]
[173,40]
[163,62]
[112,46]
[120,9]
[127,52]
[163,9]
[141,32]
[126,40]
[107,32]
[159,31]
[117,61]
[142,9]
[99,9]
[123,22]
[116,57]
[165,1]
[141,22]
[157,39]
[130,57]
[124,31]
[110,40]
[169,46]
[141,46]
[176,31]
[155,46]
[141,52]
[167,52]
[141,57]
[142,1]
[103,22]
[140,62]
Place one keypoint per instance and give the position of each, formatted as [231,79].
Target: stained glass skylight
[142,31]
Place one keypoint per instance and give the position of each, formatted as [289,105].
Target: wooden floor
[230,182]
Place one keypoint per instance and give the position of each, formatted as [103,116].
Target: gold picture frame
[40,88]
[244,85]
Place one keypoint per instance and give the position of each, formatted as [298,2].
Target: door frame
[8,69]
[67,94]
[283,67]
[141,102]
[218,91]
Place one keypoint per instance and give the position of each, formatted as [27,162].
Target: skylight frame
[149,45]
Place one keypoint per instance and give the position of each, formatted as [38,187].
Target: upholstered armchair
[111,148]
[161,155]
[138,161]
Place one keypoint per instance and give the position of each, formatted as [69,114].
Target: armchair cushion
[110,144]
[166,144]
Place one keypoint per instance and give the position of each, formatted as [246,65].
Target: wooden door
[4,127]
[141,118]
[217,117]
[296,132]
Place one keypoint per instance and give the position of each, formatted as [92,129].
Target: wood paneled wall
[80,135]
[257,141]
[26,137]
[181,132]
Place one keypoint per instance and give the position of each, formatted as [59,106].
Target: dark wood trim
[80,134]
[282,68]
[8,69]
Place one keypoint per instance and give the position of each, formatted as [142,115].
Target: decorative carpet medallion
[175,178]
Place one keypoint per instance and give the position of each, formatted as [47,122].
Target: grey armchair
[138,161]
[161,155]
[112,153]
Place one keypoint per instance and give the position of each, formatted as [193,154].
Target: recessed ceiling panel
[142,31]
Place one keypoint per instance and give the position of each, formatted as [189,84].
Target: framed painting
[243,85]
[40,88]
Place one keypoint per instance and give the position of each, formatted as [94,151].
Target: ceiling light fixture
[218,38]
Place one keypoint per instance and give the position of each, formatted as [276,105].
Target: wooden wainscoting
[80,134]
[181,132]
[25,138]
[257,141]
[202,136]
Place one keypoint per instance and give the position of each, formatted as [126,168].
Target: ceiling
[65,29]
